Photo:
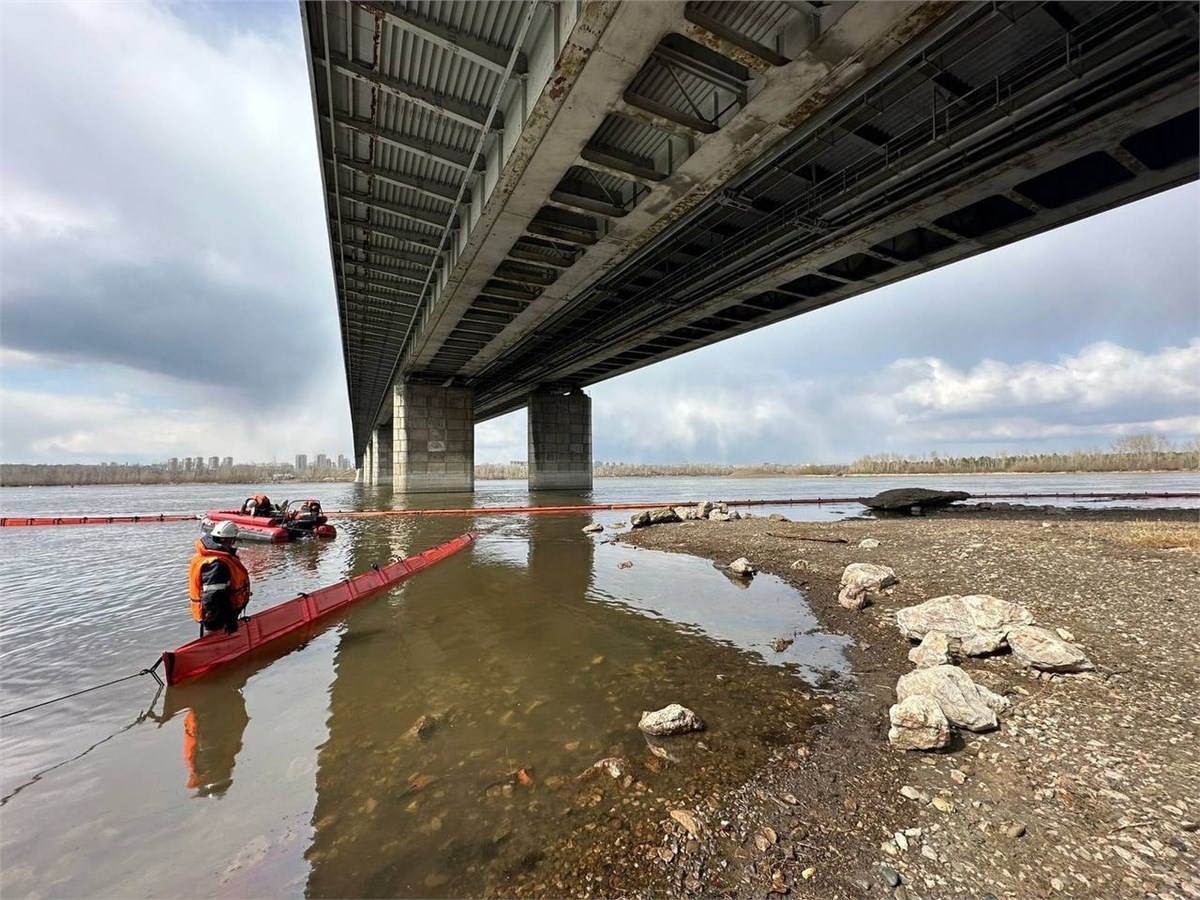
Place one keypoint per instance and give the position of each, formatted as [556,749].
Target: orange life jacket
[239,579]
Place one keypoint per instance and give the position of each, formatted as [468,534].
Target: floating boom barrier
[28,521]
[211,651]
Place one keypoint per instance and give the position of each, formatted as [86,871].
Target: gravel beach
[1090,787]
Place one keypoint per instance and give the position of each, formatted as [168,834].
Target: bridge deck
[670,174]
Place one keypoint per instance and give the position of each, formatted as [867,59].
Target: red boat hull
[251,528]
[213,650]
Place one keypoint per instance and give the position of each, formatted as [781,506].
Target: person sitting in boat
[219,585]
[258,505]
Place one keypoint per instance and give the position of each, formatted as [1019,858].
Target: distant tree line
[1137,453]
[22,475]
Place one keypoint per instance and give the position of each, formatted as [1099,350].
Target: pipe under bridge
[525,198]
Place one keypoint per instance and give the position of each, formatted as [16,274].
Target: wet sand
[1090,788]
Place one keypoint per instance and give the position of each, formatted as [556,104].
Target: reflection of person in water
[213,725]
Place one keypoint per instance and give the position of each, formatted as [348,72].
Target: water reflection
[461,717]
[214,723]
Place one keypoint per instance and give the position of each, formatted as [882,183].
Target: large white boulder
[965,703]
[1044,650]
[979,622]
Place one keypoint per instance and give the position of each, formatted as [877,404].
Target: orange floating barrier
[29,521]
[204,654]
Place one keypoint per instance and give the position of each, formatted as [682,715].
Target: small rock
[689,820]
[422,728]
[868,543]
[594,528]
[672,719]
[934,650]
[901,841]
[958,776]
[942,804]
[889,875]
[1014,831]
[612,766]
[1057,884]
[741,566]
[1040,649]
[918,723]
[808,873]
[910,792]
[778,517]
[860,580]
[781,644]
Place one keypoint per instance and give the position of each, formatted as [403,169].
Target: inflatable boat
[291,520]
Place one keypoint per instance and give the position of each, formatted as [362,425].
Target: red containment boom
[213,650]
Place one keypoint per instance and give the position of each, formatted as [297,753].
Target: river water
[534,650]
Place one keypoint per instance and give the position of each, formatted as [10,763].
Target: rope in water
[18,521]
[150,671]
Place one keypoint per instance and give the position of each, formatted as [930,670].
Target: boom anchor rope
[147,671]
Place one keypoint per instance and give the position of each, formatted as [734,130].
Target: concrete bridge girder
[862,36]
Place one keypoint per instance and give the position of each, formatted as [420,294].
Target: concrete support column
[560,441]
[381,442]
[434,439]
[368,467]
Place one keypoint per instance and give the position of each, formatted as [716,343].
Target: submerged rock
[918,723]
[1040,649]
[962,701]
[904,499]
[672,719]
[860,580]
[979,622]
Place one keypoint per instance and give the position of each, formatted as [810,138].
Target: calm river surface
[533,650]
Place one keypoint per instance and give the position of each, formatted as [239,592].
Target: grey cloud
[168,319]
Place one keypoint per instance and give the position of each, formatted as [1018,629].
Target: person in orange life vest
[219,585]
[258,505]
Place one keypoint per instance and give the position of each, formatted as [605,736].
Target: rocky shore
[1086,783]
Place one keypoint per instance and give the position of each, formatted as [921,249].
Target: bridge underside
[704,169]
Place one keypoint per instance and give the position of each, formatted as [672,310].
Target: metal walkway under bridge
[525,198]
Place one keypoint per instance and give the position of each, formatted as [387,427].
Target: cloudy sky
[167,290]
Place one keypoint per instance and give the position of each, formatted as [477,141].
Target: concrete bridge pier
[368,467]
[560,441]
[434,439]
[381,454]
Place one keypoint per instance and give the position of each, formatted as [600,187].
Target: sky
[166,288]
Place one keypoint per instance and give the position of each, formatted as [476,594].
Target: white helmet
[224,531]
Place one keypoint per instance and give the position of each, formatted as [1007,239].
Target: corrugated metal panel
[494,21]
[759,21]
[633,137]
